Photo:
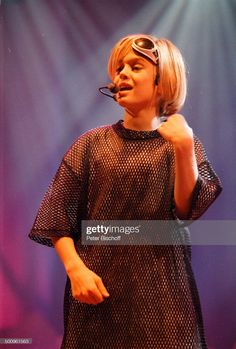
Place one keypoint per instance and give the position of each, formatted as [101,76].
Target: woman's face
[135,78]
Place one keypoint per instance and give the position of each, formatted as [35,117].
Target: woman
[139,168]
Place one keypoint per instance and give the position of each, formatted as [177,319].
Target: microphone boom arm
[112,88]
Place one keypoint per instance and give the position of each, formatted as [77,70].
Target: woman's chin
[123,102]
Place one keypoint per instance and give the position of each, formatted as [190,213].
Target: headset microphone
[112,88]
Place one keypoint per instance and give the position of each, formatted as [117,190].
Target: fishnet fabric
[115,173]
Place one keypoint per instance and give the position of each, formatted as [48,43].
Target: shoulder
[198,144]
[200,151]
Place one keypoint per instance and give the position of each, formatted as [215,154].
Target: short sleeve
[64,203]
[208,185]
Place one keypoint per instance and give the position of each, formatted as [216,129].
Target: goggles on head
[146,47]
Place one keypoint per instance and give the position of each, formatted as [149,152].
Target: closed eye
[136,67]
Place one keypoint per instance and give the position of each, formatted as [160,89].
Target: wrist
[73,264]
[184,144]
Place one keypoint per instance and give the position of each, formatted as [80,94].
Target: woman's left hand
[176,130]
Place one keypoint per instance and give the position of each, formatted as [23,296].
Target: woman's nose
[124,72]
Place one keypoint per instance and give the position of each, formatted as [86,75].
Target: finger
[102,288]
[89,296]
[88,299]
[96,295]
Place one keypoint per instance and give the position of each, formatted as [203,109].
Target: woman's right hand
[87,287]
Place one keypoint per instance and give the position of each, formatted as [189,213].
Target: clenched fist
[176,130]
[87,287]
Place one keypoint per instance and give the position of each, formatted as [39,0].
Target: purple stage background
[53,59]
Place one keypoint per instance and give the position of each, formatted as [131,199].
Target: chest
[129,161]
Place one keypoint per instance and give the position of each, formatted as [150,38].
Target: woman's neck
[144,120]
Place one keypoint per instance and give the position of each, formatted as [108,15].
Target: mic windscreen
[113,88]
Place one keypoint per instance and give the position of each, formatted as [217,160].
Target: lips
[125,87]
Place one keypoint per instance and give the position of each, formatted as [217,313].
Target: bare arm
[186,174]
[177,131]
[87,286]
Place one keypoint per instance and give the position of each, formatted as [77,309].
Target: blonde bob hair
[172,80]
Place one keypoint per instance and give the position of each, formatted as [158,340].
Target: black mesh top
[113,173]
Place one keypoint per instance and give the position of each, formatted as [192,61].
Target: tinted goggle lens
[146,47]
[144,43]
